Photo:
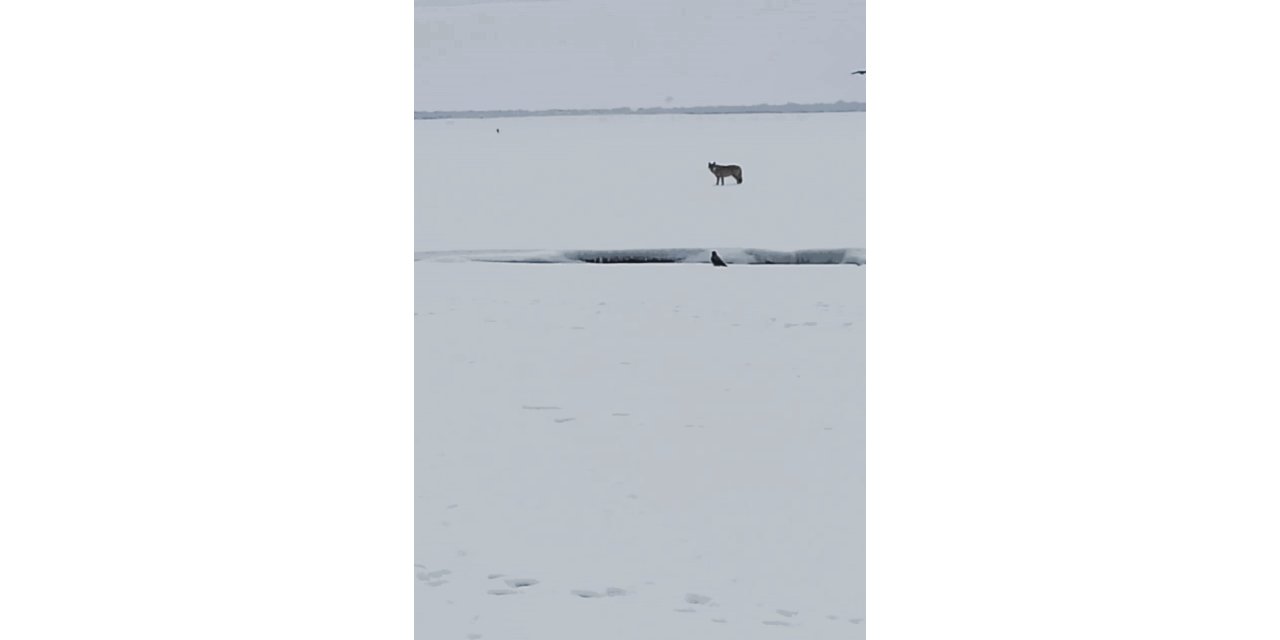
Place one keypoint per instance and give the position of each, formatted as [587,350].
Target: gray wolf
[723,171]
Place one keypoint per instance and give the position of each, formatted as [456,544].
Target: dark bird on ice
[861,72]
[715,259]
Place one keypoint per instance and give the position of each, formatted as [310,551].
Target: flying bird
[861,72]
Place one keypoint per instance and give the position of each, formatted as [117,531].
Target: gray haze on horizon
[553,54]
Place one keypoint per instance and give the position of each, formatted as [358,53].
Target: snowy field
[638,451]
[550,54]
[626,182]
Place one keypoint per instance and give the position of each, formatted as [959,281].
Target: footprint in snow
[584,593]
[694,598]
[502,592]
[564,420]
[517,583]
[786,613]
[425,575]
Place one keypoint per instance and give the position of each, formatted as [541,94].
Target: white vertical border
[1072,320]
[205,243]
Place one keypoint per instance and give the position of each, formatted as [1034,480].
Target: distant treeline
[789,107]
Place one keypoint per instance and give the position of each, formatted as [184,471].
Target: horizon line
[789,107]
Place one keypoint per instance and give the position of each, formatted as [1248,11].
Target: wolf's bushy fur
[723,171]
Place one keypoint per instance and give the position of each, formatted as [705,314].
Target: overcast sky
[542,54]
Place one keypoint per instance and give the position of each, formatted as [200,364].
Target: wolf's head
[711,166]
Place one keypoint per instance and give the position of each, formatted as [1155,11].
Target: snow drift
[643,256]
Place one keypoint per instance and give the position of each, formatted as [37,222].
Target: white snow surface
[634,452]
[640,451]
[619,53]
[635,181]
